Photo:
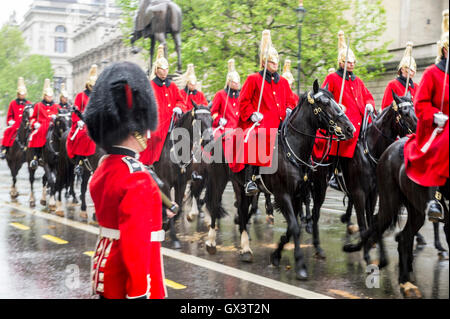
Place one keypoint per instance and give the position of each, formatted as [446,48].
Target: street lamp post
[300,15]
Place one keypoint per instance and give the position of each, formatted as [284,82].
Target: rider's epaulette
[133,164]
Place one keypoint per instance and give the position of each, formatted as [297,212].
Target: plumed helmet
[232,74]
[92,78]
[121,103]
[342,49]
[408,61]
[443,42]
[21,88]
[161,61]
[287,74]
[266,50]
[64,92]
[189,76]
[47,89]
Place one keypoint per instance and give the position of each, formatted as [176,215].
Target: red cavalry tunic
[430,168]
[15,112]
[354,98]
[398,85]
[231,111]
[127,200]
[81,144]
[43,112]
[197,96]
[168,97]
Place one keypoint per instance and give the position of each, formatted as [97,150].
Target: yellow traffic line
[55,240]
[20,226]
[343,294]
[89,253]
[173,284]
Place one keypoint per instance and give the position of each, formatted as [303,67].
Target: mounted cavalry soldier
[225,105]
[14,117]
[287,74]
[127,262]
[263,110]
[79,145]
[170,104]
[44,113]
[427,152]
[190,92]
[406,71]
[64,98]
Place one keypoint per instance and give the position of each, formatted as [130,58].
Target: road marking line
[54,239]
[173,284]
[343,294]
[89,253]
[230,271]
[19,226]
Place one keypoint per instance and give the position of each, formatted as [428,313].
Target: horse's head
[405,118]
[329,114]
[26,115]
[202,120]
[62,121]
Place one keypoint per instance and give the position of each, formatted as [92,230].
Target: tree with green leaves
[215,31]
[15,62]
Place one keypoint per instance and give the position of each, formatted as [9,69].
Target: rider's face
[272,66]
[162,73]
[234,85]
[191,86]
[48,98]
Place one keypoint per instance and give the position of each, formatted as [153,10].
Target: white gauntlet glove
[177,111]
[440,119]
[11,122]
[37,125]
[369,108]
[222,122]
[80,124]
[288,112]
[53,116]
[256,117]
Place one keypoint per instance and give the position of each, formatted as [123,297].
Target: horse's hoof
[301,274]
[309,227]
[32,204]
[247,257]
[83,215]
[352,229]
[421,242]
[189,218]
[211,249]
[275,259]
[72,205]
[320,254]
[176,244]
[201,214]
[344,219]
[443,255]
[43,202]
[93,223]
[14,195]
[60,213]
[51,208]
[410,291]
[270,219]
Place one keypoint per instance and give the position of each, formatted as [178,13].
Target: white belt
[115,234]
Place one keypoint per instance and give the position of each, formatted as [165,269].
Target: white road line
[227,270]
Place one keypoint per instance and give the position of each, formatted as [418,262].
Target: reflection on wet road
[46,256]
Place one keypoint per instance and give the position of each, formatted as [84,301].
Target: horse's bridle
[396,107]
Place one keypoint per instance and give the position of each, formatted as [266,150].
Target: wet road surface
[46,256]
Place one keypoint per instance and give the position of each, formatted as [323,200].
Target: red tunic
[196,96]
[15,112]
[399,89]
[127,199]
[168,97]
[43,112]
[231,111]
[81,144]
[355,98]
[430,168]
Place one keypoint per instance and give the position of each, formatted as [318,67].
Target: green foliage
[15,62]
[215,31]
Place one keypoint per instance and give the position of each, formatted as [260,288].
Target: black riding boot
[434,207]
[250,186]
[79,167]
[35,161]
[3,152]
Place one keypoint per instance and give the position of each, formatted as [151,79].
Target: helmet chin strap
[140,139]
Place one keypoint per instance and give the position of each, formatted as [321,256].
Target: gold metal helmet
[161,61]
[287,72]
[331,70]
[443,42]
[189,76]
[47,89]
[21,88]
[266,50]
[232,74]
[342,49]
[92,77]
[64,92]
[408,61]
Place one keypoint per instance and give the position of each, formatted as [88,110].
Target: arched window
[60,28]
[60,45]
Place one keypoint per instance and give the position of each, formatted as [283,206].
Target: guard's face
[350,65]
[405,70]
[234,85]
[48,98]
[21,96]
[162,73]
[272,67]
[63,100]
[191,86]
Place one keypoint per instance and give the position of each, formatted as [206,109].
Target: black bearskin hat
[121,103]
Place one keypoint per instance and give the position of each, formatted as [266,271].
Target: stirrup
[436,214]
[251,188]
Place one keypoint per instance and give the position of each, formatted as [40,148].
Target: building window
[60,45]
[60,28]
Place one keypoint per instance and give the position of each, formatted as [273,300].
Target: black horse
[359,178]
[317,109]
[399,191]
[174,170]
[15,156]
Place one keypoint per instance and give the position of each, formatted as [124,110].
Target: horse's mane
[188,115]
